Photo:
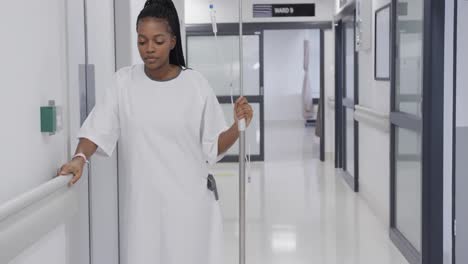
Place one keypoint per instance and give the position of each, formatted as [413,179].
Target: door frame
[338,96]
[232,29]
[322,96]
[432,137]
[454,131]
[342,103]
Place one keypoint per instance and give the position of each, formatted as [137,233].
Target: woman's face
[155,42]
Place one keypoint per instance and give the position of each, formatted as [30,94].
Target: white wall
[284,72]
[52,248]
[374,144]
[35,52]
[228,11]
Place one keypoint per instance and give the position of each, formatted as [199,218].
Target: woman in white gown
[169,125]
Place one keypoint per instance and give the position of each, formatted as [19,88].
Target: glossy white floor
[299,210]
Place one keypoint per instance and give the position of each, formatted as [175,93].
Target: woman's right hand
[75,167]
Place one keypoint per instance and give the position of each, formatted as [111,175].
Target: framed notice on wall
[382,44]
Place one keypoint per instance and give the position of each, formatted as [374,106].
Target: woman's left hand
[243,110]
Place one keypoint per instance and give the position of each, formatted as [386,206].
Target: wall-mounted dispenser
[49,118]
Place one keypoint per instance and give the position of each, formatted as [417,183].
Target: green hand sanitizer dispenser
[49,118]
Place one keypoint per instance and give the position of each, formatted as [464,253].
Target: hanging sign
[284,10]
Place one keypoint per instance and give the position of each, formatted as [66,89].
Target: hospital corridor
[234,132]
[300,210]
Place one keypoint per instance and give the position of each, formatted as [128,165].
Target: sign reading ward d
[284,10]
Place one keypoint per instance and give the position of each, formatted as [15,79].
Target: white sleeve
[102,126]
[213,124]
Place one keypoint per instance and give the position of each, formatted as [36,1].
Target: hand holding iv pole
[242,111]
[241,127]
[241,123]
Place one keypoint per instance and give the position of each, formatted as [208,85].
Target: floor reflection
[299,210]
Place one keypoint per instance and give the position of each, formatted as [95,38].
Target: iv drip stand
[242,151]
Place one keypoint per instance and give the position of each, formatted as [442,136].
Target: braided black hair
[165,9]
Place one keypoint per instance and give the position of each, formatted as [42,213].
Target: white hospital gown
[167,132]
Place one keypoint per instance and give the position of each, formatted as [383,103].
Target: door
[346,94]
[349,101]
[416,167]
[205,54]
[461,132]
[406,131]
[338,94]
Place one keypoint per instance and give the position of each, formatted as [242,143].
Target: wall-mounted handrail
[25,219]
[24,200]
[372,118]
